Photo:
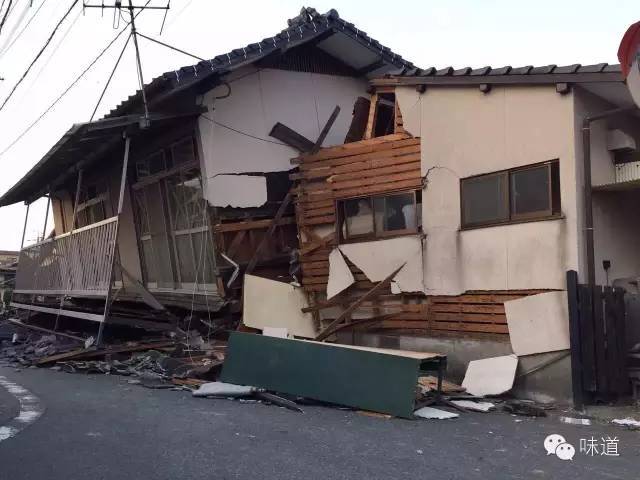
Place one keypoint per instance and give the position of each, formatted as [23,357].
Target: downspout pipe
[588,190]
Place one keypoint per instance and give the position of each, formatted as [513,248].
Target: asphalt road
[101,427]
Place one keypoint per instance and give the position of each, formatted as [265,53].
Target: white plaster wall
[616,221]
[465,132]
[260,98]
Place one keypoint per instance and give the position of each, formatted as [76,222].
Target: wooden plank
[251,224]
[291,137]
[468,317]
[377,289]
[356,148]
[380,157]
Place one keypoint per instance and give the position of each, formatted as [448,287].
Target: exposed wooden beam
[291,137]
[374,291]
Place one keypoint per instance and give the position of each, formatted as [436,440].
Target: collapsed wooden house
[157,214]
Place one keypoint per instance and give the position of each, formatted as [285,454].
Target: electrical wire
[15,39]
[16,26]
[170,47]
[164,18]
[71,85]
[6,14]
[44,66]
[104,90]
[241,132]
[73,4]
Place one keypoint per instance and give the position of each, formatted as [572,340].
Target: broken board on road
[377,379]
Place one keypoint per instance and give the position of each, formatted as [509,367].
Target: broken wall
[238,143]
[465,132]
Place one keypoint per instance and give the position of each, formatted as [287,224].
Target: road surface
[101,427]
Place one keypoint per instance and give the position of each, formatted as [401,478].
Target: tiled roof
[506,70]
[307,26]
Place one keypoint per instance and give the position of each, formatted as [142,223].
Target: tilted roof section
[576,73]
[329,32]
[342,40]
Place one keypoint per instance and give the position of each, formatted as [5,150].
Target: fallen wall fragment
[379,258]
[340,276]
[269,303]
[538,323]
[241,191]
[490,376]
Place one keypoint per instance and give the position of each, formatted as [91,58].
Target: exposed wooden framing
[235,243]
[372,116]
[76,200]
[372,292]
[251,224]
[272,227]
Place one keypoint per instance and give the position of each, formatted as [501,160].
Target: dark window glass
[530,191]
[484,199]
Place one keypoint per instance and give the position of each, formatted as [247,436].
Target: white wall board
[490,376]
[340,277]
[240,191]
[379,258]
[268,303]
[538,323]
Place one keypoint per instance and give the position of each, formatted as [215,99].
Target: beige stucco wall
[465,132]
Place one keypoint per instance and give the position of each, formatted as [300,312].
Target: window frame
[341,218]
[555,205]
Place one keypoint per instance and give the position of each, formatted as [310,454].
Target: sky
[429,33]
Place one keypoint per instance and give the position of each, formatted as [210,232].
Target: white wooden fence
[75,263]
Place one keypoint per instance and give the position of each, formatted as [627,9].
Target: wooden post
[574,340]
[77,200]
[46,217]
[123,181]
[24,229]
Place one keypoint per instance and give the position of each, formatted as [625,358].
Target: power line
[171,47]
[43,66]
[6,14]
[25,27]
[241,132]
[110,77]
[73,4]
[73,84]
[17,24]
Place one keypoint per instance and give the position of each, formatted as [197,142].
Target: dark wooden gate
[598,356]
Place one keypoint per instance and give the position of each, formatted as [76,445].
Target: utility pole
[145,121]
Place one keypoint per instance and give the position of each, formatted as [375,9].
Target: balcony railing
[75,263]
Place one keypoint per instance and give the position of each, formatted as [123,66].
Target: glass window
[512,195]
[530,191]
[358,217]
[484,199]
[378,216]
